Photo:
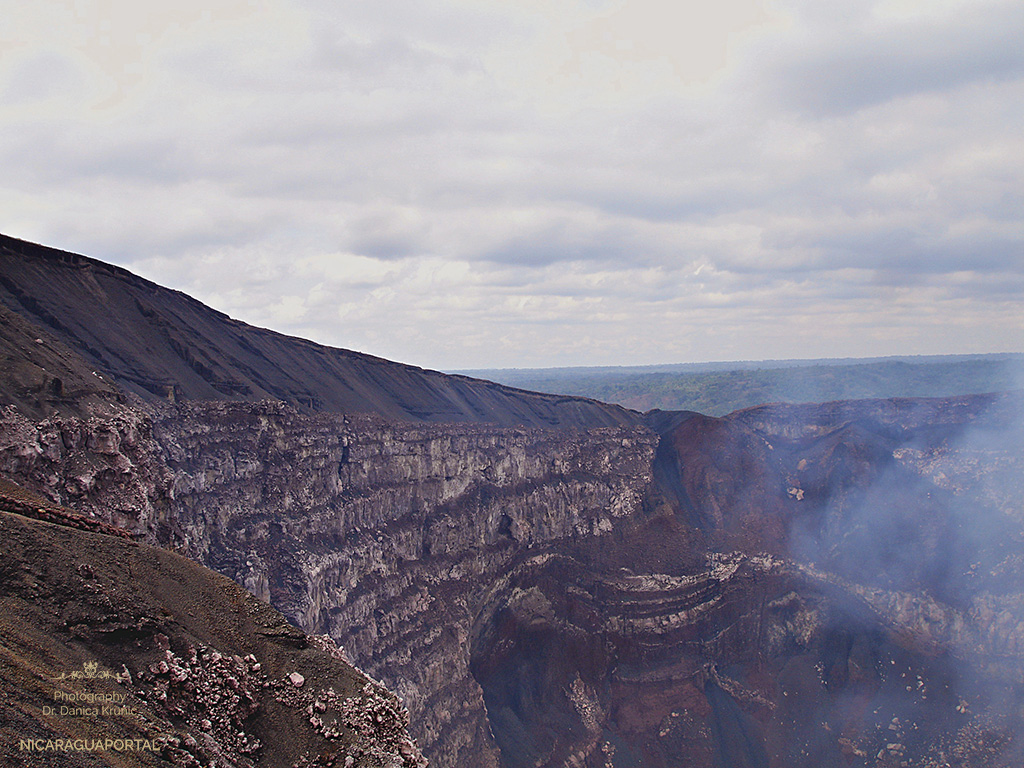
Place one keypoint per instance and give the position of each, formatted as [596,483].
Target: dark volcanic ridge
[163,345]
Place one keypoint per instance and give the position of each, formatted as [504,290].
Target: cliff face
[825,585]
[388,537]
[382,533]
[852,597]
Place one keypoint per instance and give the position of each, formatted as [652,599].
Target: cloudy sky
[521,183]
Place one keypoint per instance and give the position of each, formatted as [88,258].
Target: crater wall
[386,536]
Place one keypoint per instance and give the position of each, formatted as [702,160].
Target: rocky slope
[42,376]
[310,509]
[116,653]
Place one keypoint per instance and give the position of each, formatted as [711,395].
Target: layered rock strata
[824,586]
[750,662]
[385,536]
[851,598]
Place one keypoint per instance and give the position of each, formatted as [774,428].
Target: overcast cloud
[475,183]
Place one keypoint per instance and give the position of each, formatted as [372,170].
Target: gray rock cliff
[388,537]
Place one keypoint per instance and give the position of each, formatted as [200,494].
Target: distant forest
[720,388]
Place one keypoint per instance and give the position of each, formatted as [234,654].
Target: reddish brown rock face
[728,482]
[848,619]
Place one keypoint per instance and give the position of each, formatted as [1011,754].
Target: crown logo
[91,671]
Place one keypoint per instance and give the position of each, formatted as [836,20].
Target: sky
[528,183]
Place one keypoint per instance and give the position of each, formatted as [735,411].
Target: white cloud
[464,183]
